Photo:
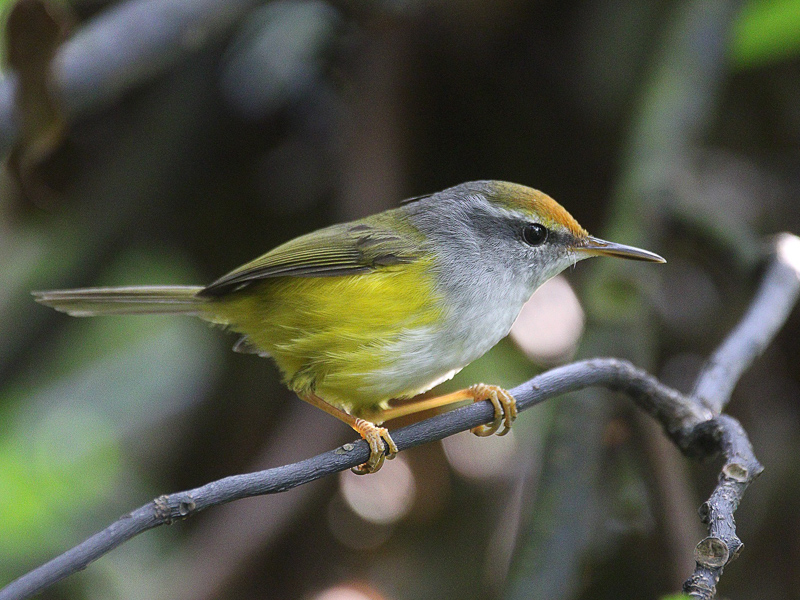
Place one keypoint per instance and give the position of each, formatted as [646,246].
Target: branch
[103,60]
[712,554]
[686,420]
[767,313]
[774,300]
[615,374]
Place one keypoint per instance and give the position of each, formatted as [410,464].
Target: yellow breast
[332,335]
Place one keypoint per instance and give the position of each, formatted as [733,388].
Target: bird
[362,316]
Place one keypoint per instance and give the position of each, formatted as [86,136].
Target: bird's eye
[534,234]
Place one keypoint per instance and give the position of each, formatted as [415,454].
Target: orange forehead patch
[538,204]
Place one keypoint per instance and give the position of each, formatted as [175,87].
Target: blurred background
[169,141]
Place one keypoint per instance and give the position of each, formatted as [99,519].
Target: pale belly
[423,358]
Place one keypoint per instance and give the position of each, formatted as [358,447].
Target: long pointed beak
[596,247]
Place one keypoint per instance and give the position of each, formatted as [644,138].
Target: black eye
[534,234]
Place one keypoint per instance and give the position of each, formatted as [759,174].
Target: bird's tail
[134,300]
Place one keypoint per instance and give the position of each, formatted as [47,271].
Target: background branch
[690,424]
[102,62]
[767,313]
[770,308]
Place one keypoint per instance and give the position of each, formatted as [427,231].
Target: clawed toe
[505,409]
[375,436]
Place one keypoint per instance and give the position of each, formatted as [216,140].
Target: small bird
[361,315]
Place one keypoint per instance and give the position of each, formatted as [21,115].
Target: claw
[375,436]
[505,408]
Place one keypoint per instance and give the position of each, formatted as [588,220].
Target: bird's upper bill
[593,246]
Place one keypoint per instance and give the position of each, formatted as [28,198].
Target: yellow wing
[346,249]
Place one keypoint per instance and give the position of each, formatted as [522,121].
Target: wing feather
[347,249]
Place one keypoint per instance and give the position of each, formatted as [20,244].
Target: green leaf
[74,420]
[766,31]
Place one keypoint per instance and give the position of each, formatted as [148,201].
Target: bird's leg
[374,435]
[505,407]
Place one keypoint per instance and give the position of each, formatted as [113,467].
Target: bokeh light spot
[550,324]
[383,497]
[481,458]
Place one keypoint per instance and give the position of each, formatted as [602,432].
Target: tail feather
[134,300]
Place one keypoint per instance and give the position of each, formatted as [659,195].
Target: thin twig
[768,311]
[712,554]
[690,424]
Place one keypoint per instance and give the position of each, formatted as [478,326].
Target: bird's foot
[375,436]
[505,408]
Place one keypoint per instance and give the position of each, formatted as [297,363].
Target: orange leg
[505,407]
[375,436]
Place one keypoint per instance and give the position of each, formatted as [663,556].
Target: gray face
[486,253]
[489,262]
